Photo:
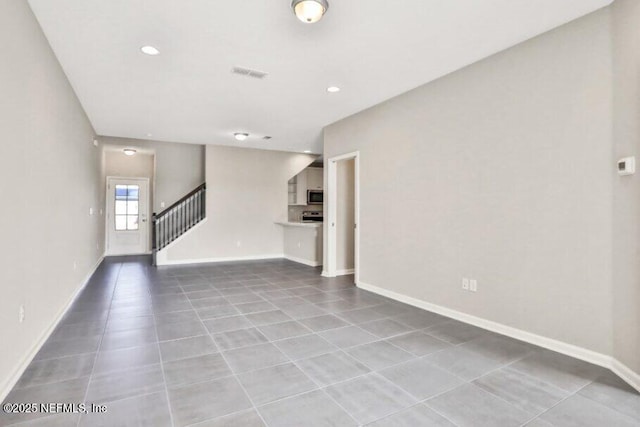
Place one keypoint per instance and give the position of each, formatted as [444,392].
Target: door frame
[332,209]
[147,249]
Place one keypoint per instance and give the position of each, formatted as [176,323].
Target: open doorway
[343,235]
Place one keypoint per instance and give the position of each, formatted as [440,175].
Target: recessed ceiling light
[241,136]
[150,50]
[149,134]
[333,89]
[129,151]
[307,151]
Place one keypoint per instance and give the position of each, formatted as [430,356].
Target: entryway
[127,216]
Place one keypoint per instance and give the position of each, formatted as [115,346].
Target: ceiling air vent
[248,72]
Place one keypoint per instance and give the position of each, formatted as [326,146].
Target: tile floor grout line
[164,375]
[320,387]
[253,405]
[601,403]
[558,403]
[93,367]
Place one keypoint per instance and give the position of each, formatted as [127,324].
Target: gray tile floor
[273,343]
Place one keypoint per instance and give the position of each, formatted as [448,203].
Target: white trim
[549,343]
[221,259]
[130,254]
[325,273]
[17,373]
[345,272]
[304,261]
[624,372]
[332,184]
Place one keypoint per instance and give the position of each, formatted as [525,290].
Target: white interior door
[127,216]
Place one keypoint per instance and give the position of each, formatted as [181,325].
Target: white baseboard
[17,373]
[549,343]
[624,372]
[165,262]
[130,254]
[303,261]
[338,273]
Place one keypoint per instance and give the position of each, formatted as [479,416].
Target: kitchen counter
[300,224]
[302,242]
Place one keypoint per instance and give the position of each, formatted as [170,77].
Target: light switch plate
[465,284]
[473,285]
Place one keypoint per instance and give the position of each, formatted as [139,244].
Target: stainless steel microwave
[315,197]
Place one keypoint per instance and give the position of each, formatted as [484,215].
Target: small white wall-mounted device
[627,166]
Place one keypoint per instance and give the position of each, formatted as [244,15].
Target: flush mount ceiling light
[307,151]
[241,136]
[150,50]
[333,89]
[129,151]
[310,11]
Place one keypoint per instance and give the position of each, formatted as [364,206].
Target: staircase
[178,218]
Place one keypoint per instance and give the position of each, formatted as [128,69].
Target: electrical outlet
[238,243]
[473,285]
[90,211]
[21,314]
[465,284]
[75,265]
[162,205]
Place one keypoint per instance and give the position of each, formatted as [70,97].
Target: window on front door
[126,206]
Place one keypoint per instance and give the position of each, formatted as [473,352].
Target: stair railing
[178,218]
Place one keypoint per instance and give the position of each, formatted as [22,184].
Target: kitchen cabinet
[308,179]
[298,190]
[315,178]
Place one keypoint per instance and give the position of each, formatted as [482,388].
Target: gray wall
[246,195]
[49,178]
[179,167]
[626,237]
[501,172]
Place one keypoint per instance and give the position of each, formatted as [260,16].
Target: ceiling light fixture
[150,50]
[307,151]
[241,136]
[310,11]
[333,89]
[129,151]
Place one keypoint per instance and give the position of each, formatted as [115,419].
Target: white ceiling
[372,49]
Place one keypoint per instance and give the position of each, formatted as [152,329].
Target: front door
[127,216]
